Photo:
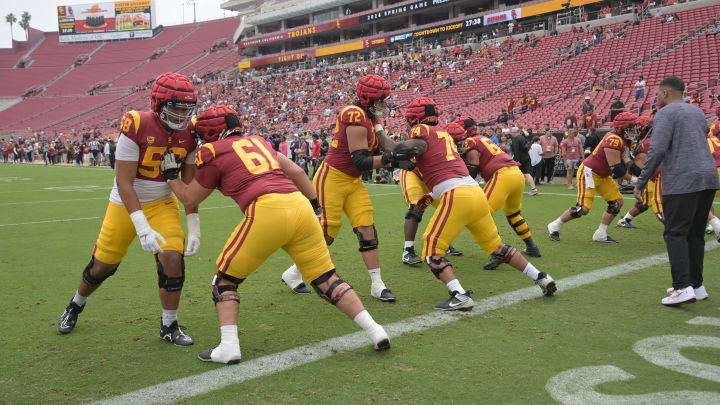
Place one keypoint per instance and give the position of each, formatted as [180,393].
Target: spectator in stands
[570,120]
[534,102]
[571,150]
[524,101]
[495,138]
[503,117]
[550,148]
[639,88]
[591,141]
[505,144]
[511,106]
[536,160]
[616,108]
[587,107]
[590,120]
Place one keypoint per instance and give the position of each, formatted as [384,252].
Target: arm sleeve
[659,144]
[127,149]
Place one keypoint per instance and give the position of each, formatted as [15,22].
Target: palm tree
[25,23]
[11,19]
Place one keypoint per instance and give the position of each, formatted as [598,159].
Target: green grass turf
[507,355]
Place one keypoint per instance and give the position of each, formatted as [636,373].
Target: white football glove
[193,237]
[148,237]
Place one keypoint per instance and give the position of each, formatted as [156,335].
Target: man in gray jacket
[689,180]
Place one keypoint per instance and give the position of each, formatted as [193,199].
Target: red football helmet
[644,124]
[624,124]
[422,110]
[217,122]
[467,123]
[370,89]
[176,91]
[459,135]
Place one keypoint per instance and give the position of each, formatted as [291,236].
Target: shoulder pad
[130,124]
[352,115]
[420,131]
[204,155]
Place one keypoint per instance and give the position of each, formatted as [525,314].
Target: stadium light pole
[193,3]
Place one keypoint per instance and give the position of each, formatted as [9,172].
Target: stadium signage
[408,8]
[456,26]
[94,21]
[507,15]
[298,33]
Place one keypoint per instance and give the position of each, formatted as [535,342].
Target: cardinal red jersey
[491,157]
[645,148]
[146,130]
[714,144]
[715,128]
[339,155]
[598,161]
[441,160]
[242,168]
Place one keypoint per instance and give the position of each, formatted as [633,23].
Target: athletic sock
[409,244]
[79,299]
[556,224]
[454,285]
[229,334]
[531,271]
[365,320]
[375,276]
[602,229]
[169,316]
[628,217]
[715,224]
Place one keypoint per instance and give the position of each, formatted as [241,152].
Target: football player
[413,189]
[265,185]
[142,203]
[504,182]
[357,137]
[599,172]
[652,194]
[462,205]
[715,127]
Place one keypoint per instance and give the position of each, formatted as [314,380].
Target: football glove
[170,165]
[424,202]
[316,207]
[193,237]
[148,237]
[399,154]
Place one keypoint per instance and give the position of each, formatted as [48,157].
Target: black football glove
[316,207]
[408,165]
[170,165]
[401,153]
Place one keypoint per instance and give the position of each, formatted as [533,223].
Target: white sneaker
[700,293]
[294,280]
[678,297]
[379,338]
[224,354]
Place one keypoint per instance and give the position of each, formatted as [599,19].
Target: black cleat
[493,263]
[69,318]
[451,251]
[555,236]
[384,295]
[299,289]
[546,284]
[457,302]
[409,257]
[607,239]
[532,250]
[175,334]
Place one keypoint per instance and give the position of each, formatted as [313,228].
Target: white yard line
[221,377]
[52,201]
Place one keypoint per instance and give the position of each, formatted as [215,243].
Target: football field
[603,338]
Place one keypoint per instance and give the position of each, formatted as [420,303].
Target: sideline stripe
[221,377]
[52,201]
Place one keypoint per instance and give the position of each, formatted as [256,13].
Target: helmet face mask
[379,108]
[461,146]
[176,115]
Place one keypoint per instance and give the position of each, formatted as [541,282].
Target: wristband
[142,227]
[193,223]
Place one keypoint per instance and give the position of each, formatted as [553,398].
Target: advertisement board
[298,33]
[400,10]
[503,16]
[105,21]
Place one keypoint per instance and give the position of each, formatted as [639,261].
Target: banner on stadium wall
[503,16]
[552,6]
[302,32]
[272,60]
[104,21]
[400,10]
[440,29]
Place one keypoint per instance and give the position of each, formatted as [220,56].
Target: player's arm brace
[357,141]
[614,160]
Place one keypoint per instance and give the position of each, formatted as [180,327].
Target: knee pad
[576,211]
[613,208]
[414,213]
[170,284]
[219,289]
[327,295]
[366,244]
[519,225]
[95,281]
[438,266]
[506,254]
[640,206]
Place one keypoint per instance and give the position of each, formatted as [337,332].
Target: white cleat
[678,297]
[223,354]
[379,338]
[700,293]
